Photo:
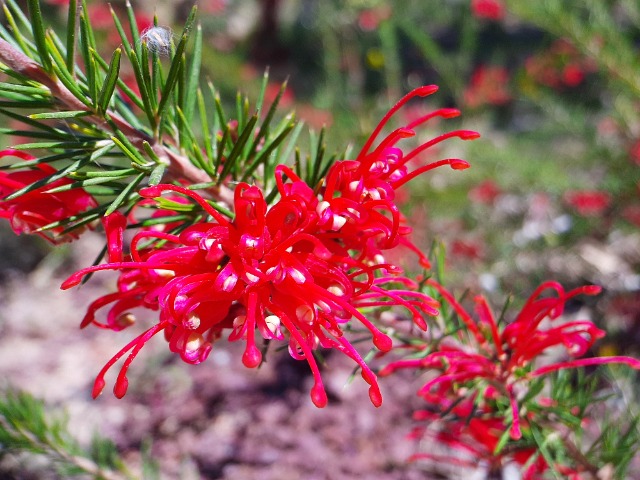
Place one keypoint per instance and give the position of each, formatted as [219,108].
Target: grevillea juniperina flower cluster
[300,270]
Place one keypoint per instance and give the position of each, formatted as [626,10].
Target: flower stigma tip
[319,396]
[252,356]
[121,386]
[375,396]
[382,342]
[98,387]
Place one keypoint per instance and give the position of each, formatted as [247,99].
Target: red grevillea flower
[262,271]
[474,441]
[504,358]
[358,197]
[299,270]
[38,208]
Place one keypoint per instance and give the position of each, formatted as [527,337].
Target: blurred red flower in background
[488,86]
[484,192]
[561,65]
[488,9]
[588,203]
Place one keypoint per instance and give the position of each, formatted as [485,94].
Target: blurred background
[553,193]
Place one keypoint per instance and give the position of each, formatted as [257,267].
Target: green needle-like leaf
[34,123]
[88,182]
[47,180]
[145,89]
[156,174]
[221,147]
[263,90]
[133,96]
[218,104]
[176,63]
[27,90]
[19,14]
[137,70]
[17,34]
[58,115]
[148,149]
[60,70]
[133,26]
[86,50]
[194,75]
[110,82]
[187,135]
[172,76]
[230,161]
[157,80]
[72,30]
[30,134]
[85,27]
[120,172]
[101,151]
[123,36]
[128,149]
[264,128]
[123,197]
[54,145]
[39,35]
[206,133]
[267,151]
[317,161]
[146,75]
[293,140]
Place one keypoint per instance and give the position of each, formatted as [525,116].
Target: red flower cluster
[588,203]
[489,85]
[473,440]
[31,211]
[298,270]
[497,362]
[485,192]
[559,67]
